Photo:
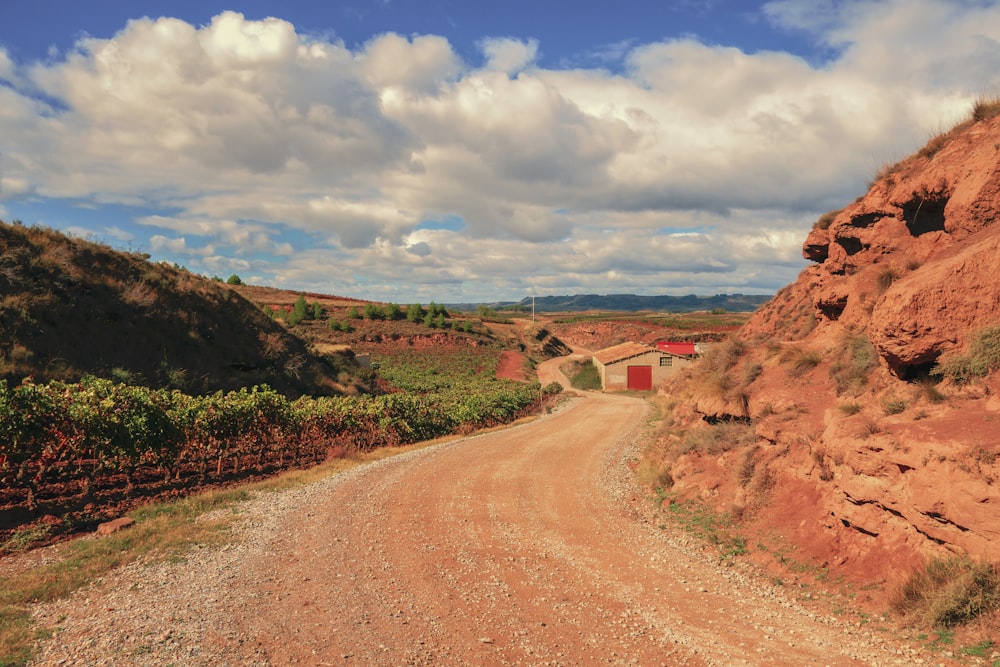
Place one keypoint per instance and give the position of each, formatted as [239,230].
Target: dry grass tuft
[893,405]
[982,359]
[853,364]
[801,360]
[885,278]
[949,591]
[824,221]
[850,407]
[719,438]
[985,109]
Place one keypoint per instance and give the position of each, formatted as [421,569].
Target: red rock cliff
[836,436]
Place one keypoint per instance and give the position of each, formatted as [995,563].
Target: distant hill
[70,307]
[632,303]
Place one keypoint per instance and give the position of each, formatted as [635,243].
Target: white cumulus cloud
[698,166]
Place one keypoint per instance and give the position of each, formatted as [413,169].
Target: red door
[640,378]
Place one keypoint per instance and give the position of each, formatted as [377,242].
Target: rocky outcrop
[932,311]
[860,457]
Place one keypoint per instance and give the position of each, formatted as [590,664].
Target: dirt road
[521,547]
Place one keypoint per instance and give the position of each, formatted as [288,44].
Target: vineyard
[92,445]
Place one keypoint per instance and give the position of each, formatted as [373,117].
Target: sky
[474,152]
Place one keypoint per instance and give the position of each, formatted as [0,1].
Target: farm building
[640,367]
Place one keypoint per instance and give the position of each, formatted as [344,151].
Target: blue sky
[455,151]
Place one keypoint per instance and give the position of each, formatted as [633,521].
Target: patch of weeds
[751,372]
[583,375]
[984,455]
[650,475]
[885,278]
[802,361]
[746,467]
[827,219]
[985,109]
[25,538]
[944,637]
[980,650]
[850,407]
[869,427]
[931,392]
[948,592]
[706,524]
[932,147]
[893,405]
[718,438]
[982,358]
[853,364]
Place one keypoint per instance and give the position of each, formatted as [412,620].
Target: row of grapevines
[79,432]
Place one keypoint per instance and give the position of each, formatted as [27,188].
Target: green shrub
[414,312]
[584,375]
[234,280]
[374,312]
[949,592]
[393,312]
[982,359]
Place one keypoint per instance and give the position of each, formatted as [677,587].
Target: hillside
[347,328]
[70,307]
[846,425]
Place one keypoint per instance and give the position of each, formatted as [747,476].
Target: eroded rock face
[857,460]
[933,310]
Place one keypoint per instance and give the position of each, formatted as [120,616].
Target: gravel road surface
[527,546]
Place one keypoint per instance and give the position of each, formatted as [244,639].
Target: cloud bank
[398,171]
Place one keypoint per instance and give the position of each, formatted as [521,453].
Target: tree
[317,311]
[338,325]
[414,312]
[374,312]
[393,312]
[439,321]
[300,311]
[234,280]
[353,313]
[429,320]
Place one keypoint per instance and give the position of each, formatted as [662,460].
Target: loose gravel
[530,546]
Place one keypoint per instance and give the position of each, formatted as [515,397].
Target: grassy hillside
[70,307]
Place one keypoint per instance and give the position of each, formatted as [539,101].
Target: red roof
[677,348]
